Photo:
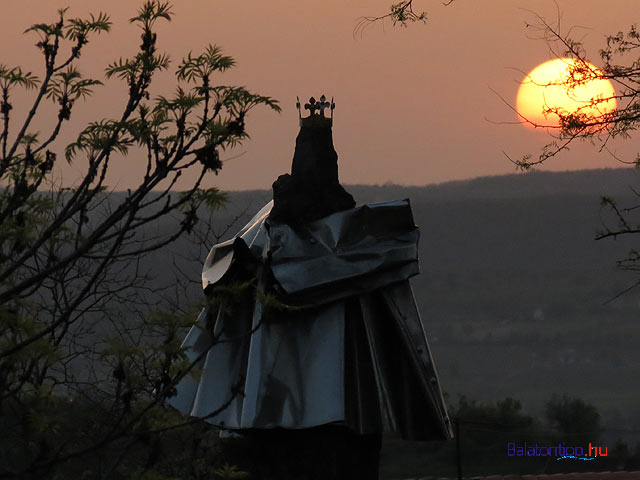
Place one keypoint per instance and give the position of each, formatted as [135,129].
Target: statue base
[327,452]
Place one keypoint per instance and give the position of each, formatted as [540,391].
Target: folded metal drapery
[352,350]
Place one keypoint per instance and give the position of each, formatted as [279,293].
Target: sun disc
[547,91]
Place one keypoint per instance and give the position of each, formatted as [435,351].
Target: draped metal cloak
[352,351]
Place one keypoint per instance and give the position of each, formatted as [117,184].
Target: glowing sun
[550,88]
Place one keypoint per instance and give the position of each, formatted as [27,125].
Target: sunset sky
[414,105]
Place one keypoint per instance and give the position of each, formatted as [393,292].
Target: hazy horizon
[467,180]
[414,106]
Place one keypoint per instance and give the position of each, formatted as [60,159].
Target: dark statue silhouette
[310,383]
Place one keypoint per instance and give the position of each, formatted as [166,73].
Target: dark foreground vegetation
[485,431]
[173,449]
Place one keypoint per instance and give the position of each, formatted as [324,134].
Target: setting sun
[549,89]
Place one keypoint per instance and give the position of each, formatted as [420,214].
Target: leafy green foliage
[15,76]
[402,13]
[203,66]
[150,12]
[88,352]
[68,86]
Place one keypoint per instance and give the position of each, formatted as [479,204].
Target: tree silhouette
[620,66]
[575,420]
[79,380]
[401,13]
[588,122]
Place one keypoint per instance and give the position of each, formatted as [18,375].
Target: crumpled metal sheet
[407,380]
[355,353]
[353,251]
[252,238]
[287,374]
[346,253]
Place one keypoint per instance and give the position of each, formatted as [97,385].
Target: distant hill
[526,184]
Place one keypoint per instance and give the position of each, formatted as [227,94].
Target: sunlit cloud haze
[414,105]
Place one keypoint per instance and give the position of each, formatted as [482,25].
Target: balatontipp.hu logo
[560,451]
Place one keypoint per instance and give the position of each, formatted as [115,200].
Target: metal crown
[316,116]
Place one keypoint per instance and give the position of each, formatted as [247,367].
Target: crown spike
[316,116]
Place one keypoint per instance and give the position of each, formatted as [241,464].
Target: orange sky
[413,105]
